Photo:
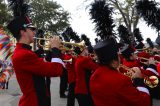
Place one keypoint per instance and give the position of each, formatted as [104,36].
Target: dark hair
[18,34]
[108,59]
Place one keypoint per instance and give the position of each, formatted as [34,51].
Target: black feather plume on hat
[138,35]
[86,40]
[124,34]
[70,34]
[76,38]
[150,12]
[150,42]
[101,14]
[96,40]
[19,7]
[65,37]
[67,34]
[83,37]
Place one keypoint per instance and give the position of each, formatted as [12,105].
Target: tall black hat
[140,45]
[21,20]
[106,51]
[101,14]
[127,50]
[18,24]
[150,42]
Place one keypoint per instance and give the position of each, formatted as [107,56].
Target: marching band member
[71,78]
[26,63]
[82,65]
[63,81]
[108,86]
[148,69]
[111,88]
[43,83]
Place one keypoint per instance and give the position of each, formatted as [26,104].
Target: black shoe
[63,96]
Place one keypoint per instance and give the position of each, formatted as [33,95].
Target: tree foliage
[45,14]
[5,15]
[49,16]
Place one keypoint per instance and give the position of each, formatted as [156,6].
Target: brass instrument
[142,58]
[47,43]
[68,61]
[129,70]
[66,49]
[147,50]
[150,81]
[142,49]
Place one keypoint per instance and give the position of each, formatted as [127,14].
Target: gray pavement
[11,96]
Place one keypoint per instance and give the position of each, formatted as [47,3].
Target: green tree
[49,16]
[4,13]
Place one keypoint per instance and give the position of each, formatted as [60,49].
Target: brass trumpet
[47,44]
[129,70]
[148,50]
[150,81]
[142,49]
[142,58]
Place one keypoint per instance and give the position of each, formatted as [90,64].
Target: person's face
[31,33]
[133,56]
[115,64]
[85,52]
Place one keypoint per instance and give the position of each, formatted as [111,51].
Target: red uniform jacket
[130,64]
[144,54]
[158,68]
[111,88]
[70,68]
[82,65]
[27,64]
[136,63]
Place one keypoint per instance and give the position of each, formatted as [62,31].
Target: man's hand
[55,42]
[151,61]
[137,73]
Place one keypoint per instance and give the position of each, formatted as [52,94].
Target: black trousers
[84,100]
[63,82]
[71,95]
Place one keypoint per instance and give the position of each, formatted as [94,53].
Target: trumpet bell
[151,81]
[80,45]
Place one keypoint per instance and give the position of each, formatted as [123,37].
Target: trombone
[150,81]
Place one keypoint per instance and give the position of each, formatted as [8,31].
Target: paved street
[11,96]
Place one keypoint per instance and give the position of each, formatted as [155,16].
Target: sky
[81,23]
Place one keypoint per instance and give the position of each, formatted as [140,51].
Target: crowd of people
[108,74]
